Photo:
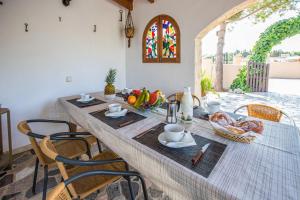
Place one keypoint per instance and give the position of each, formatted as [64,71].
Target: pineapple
[110,80]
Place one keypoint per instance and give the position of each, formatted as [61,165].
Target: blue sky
[244,34]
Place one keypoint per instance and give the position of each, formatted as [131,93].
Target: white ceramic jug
[186,105]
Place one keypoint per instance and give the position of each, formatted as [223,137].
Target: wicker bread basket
[247,137]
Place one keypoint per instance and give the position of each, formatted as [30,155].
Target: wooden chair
[178,96]
[73,147]
[84,178]
[265,112]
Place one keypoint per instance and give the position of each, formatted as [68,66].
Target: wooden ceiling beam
[125,3]
[128,3]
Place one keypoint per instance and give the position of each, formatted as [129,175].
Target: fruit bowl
[145,100]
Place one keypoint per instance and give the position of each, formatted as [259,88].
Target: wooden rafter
[125,3]
[128,3]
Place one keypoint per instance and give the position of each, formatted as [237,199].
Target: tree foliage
[240,82]
[263,9]
[274,35]
[259,12]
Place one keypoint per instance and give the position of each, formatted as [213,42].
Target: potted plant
[110,90]
[206,85]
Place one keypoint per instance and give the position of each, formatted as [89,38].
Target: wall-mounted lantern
[129,28]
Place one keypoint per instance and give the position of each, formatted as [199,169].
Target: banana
[140,100]
[147,96]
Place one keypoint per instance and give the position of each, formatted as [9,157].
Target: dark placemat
[120,122]
[200,114]
[184,155]
[83,105]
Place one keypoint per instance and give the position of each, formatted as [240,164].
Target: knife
[198,156]
[126,123]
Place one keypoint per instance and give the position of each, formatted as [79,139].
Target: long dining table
[268,168]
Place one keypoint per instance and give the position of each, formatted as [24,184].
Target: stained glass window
[151,42]
[169,40]
[161,41]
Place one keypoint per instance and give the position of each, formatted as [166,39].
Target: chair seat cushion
[88,185]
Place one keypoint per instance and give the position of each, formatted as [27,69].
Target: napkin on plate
[186,141]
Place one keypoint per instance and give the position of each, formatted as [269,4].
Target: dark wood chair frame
[125,174]
[66,136]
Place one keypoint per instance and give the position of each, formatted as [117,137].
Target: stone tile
[22,158]
[125,189]
[155,193]
[102,197]
[11,196]
[7,179]
[24,172]
[166,198]
[2,174]
[113,191]
[54,172]
[39,187]
[92,196]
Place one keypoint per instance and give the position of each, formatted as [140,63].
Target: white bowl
[110,96]
[115,107]
[174,132]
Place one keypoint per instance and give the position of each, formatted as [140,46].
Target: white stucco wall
[192,16]
[34,65]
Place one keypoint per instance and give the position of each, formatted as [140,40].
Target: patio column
[198,66]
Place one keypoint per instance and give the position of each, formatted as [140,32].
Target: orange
[131,99]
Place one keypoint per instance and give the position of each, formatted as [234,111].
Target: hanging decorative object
[129,28]
[66,2]
[26,27]
[121,15]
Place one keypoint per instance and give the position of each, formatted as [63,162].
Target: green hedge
[273,35]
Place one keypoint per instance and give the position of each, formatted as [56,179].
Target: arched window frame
[160,59]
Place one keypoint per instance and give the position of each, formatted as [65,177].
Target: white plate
[122,113]
[186,141]
[86,100]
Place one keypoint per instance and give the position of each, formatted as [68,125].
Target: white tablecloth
[269,168]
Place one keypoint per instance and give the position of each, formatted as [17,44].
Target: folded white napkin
[116,114]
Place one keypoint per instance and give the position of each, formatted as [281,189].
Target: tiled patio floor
[290,104]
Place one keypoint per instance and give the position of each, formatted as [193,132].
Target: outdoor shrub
[206,85]
[240,82]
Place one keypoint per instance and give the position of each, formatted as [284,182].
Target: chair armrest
[87,163]
[36,135]
[71,125]
[62,134]
[291,119]
[102,172]
[244,106]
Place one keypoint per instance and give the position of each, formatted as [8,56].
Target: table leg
[9,139]
[1,141]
